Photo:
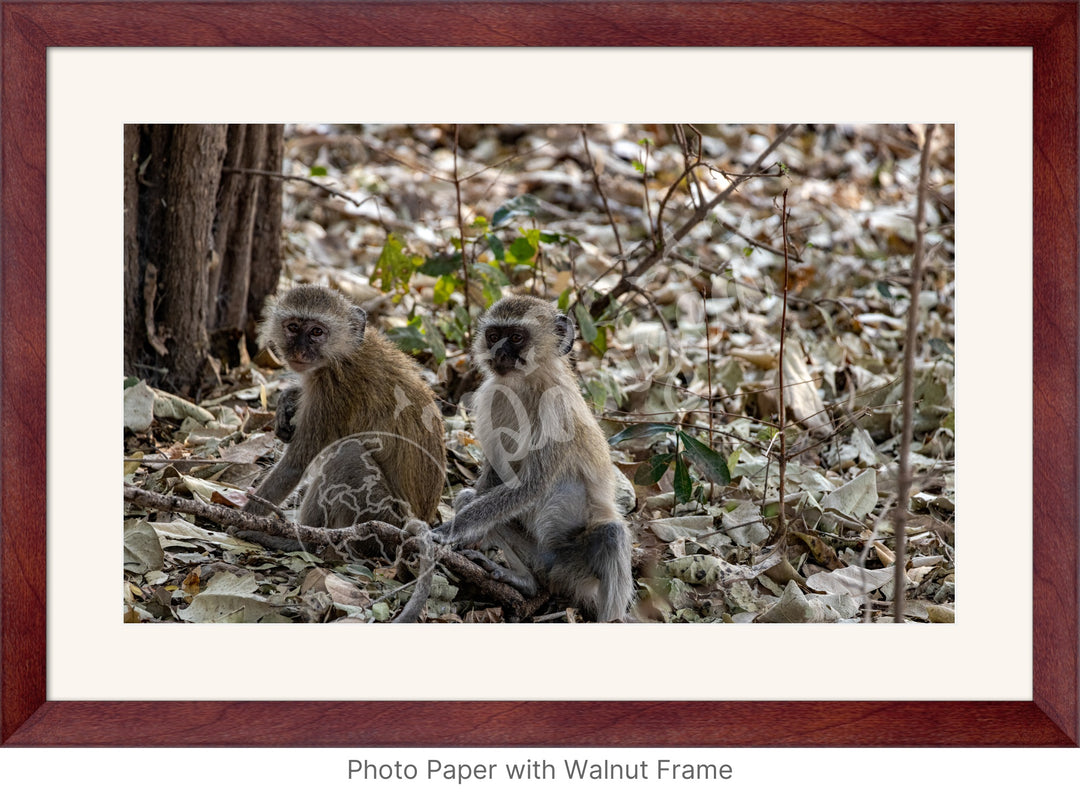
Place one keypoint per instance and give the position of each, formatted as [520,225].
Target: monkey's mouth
[504,363]
[299,365]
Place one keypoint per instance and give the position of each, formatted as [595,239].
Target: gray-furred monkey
[546,494]
[362,418]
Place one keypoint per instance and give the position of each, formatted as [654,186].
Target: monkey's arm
[283,479]
[487,480]
[285,420]
[492,504]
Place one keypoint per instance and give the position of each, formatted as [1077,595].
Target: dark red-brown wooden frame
[1050,29]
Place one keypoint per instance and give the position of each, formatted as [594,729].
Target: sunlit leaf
[522,250]
[444,288]
[394,267]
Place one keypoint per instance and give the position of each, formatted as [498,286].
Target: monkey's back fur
[399,409]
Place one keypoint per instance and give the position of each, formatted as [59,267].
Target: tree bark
[201,247]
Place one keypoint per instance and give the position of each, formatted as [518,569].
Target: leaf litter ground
[690,359]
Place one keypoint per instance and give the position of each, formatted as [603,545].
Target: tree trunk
[201,246]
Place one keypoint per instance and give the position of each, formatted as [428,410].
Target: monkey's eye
[292,328]
[493,337]
[317,331]
[517,338]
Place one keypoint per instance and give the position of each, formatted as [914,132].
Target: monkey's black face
[506,347]
[304,342]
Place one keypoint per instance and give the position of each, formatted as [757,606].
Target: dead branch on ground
[370,540]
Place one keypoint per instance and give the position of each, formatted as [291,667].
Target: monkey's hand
[284,422]
[463,498]
[454,533]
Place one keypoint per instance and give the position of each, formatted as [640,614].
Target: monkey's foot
[525,584]
[480,559]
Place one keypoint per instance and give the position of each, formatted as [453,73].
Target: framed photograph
[779,51]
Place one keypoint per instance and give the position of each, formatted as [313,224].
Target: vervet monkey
[362,418]
[546,495]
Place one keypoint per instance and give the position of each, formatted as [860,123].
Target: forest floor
[679,355]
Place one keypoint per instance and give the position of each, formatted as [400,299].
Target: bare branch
[903,483]
[304,179]
[781,524]
[656,254]
[371,540]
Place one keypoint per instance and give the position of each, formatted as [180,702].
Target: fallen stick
[371,540]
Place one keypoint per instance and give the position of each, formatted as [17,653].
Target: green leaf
[408,338]
[555,236]
[585,323]
[491,280]
[711,464]
[444,288]
[394,267]
[442,264]
[564,300]
[649,473]
[598,393]
[435,341]
[733,460]
[496,247]
[683,486]
[318,171]
[599,344]
[940,347]
[488,274]
[638,166]
[522,250]
[522,205]
[640,430]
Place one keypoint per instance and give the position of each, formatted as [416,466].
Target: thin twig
[656,254]
[603,196]
[461,233]
[708,369]
[659,235]
[756,243]
[645,187]
[903,483]
[781,524]
[284,177]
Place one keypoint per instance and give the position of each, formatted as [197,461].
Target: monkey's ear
[564,330]
[358,322]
